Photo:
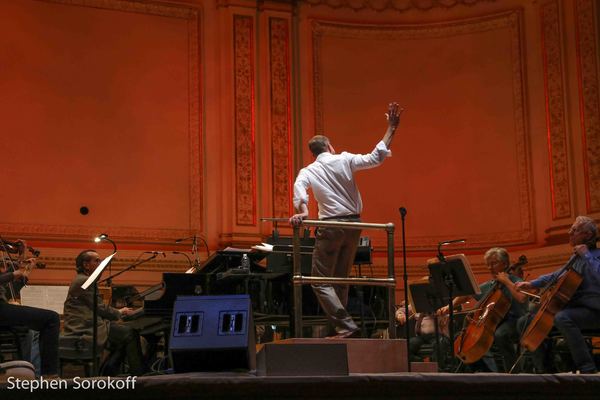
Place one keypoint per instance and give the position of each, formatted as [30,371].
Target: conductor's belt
[351,216]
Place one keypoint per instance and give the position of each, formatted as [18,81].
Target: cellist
[506,335]
[583,309]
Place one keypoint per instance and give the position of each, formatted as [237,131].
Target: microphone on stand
[186,256]
[155,253]
[195,243]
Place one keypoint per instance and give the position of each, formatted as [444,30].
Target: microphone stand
[195,249]
[129,268]
[406,324]
[195,252]
[189,260]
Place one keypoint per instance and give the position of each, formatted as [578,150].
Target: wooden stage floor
[232,385]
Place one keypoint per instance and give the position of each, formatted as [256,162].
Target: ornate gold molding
[554,91]
[512,21]
[279,34]
[394,5]
[245,181]
[142,7]
[128,234]
[589,102]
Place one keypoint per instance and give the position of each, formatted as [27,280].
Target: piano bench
[76,350]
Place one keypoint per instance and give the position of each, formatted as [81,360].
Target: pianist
[122,341]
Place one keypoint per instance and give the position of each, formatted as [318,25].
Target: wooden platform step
[371,356]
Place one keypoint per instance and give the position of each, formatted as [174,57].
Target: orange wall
[173,118]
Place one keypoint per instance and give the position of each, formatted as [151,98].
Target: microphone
[156,253]
[402,212]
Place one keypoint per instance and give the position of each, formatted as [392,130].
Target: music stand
[452,277]
[424,299]
[93,280]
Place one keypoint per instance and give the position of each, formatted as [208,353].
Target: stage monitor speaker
[212,333]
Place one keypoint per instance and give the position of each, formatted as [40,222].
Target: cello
[477,336]
[553,298]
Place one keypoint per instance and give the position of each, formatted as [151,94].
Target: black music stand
[424,299]
[93,280]
[452,277]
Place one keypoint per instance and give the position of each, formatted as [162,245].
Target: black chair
[76,350]
[10,344]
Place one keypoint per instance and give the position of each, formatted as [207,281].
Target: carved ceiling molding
[589,102]
[243,71]
[45,233]
[394,5]
[511,20]
[279,36]
[192,15]
[142,7]
[554,89]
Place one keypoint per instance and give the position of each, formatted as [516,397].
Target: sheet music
[46,297]
[236,250]
[266,247]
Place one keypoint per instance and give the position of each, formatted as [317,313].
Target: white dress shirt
[331,178]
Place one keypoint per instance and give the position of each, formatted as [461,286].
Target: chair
[77,350]
[10,344]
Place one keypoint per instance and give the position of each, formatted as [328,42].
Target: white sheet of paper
[45,297]
[97,272]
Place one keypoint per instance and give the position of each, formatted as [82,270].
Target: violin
[477,336]
[18,247]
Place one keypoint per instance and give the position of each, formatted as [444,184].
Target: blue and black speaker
[212,333]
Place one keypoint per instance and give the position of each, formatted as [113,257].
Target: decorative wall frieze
[589,102]
[394,5]
[118,264]
[554,90]
[279,36]
[174,11]
[244,101]
[45,232]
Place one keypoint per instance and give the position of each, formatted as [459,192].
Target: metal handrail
[298,280]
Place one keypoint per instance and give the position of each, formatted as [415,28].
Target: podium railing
[298,280]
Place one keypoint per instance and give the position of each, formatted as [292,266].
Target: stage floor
[355,386]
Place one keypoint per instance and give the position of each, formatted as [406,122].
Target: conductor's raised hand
[393,115]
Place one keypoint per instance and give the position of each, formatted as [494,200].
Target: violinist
[506,335]
[582,311]
[46,322]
